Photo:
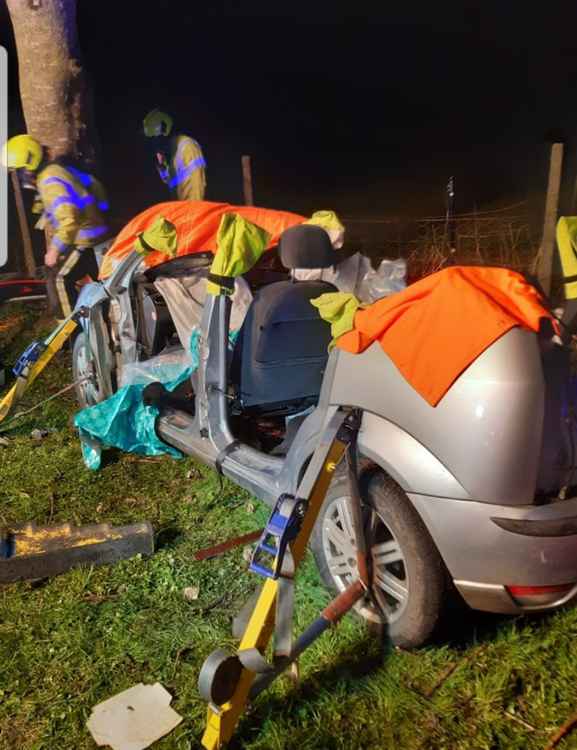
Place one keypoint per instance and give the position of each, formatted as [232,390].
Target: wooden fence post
[50,273]
[29,262]
[573,206]
[544,261]
[247,181]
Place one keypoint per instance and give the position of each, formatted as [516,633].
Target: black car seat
[282,348]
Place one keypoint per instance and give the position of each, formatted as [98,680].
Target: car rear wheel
[87,392]
[411,584]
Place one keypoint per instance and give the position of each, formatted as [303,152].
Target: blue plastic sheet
[124,421]
[91,450]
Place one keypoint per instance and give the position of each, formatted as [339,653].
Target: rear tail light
[536,596]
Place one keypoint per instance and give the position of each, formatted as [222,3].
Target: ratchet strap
[227,681]
[33,360]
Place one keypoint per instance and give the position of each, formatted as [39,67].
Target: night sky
[365,112]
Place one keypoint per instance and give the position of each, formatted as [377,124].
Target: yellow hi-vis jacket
[185,173]
[75,206]
[567,246]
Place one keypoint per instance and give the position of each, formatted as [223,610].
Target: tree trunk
[55,96]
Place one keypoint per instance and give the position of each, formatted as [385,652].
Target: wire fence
[501,237]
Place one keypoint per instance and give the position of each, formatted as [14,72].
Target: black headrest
[306,246]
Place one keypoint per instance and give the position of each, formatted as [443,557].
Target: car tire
[412,586]
[87,394]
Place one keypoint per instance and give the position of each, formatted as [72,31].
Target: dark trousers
[77,264]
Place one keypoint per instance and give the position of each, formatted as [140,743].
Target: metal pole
[545,255]
[247,181]
[332,613]
[450,218]
[24,228]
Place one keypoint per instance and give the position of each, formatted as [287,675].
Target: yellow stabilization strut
[30,372]
[222,720]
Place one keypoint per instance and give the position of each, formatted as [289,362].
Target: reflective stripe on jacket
[186,175]
[75,205]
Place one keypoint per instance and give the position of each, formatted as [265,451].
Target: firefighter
[74,208]
[178,158]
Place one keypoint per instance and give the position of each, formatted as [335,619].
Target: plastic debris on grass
[133,719]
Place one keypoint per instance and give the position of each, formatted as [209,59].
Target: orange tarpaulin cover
[196,225]
[434,329]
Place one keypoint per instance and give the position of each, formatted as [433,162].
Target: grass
[73,641]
